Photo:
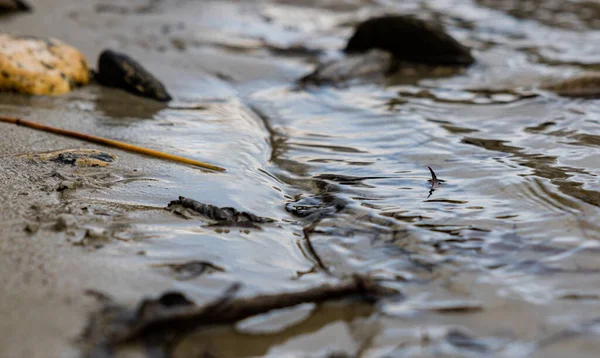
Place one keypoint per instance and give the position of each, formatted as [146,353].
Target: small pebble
[121,71]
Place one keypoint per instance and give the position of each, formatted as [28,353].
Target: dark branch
[175,316]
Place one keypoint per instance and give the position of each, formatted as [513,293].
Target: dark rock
[119,70]
[409,39]
[7,6]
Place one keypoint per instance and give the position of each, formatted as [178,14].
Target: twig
[435,182]
[311,249]
[434,179]
[109,142]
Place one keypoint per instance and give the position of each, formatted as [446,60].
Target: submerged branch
[311,249]
[173,315]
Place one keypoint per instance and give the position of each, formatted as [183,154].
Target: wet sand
[43,275]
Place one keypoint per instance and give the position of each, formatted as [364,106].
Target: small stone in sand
[119,70]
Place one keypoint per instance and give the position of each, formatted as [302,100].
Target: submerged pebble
[76,157]
[119,70]
[375,63]
[40,67]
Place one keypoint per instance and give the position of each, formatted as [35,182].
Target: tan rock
[40,67]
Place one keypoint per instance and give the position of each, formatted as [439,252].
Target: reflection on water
[520,200]
[501,259]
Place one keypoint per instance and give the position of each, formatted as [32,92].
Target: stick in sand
[109,142]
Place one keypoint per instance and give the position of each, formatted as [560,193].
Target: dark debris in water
[372,65]
[192,269]
[311,251]
[462,340]
[434,181]
[347,179]
[160,323]
[315,207]
[409,39]
[226,216]
[129,8]
[454,307]
[119,70]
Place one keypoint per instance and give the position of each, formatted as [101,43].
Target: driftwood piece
[226,216]
[171,316]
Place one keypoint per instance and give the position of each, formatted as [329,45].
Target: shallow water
[501,259]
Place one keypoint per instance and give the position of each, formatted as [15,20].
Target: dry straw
[110,142]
